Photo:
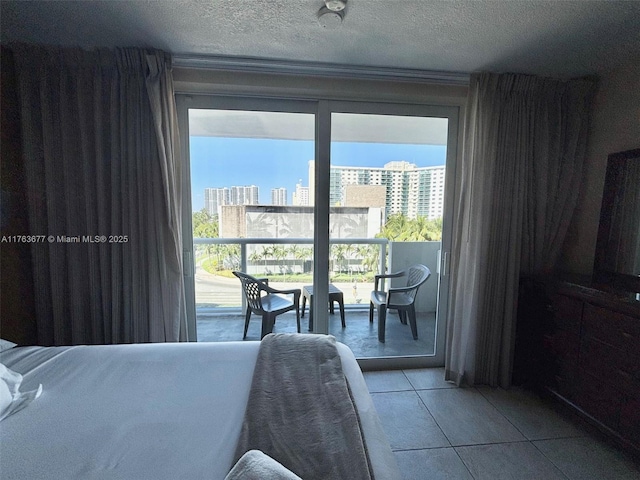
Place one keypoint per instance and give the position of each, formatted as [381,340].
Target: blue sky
[268,163]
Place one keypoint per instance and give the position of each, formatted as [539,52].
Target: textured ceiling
[550,37]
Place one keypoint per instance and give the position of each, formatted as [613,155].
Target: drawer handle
[627,335]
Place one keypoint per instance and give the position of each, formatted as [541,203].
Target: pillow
[255,465]
[11,398]
[6,345]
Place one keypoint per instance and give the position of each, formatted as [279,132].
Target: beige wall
[615,127]
[365,196]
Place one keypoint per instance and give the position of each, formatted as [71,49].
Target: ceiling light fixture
[332,14]
[335,5]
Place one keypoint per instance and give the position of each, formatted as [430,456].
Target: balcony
[288,263]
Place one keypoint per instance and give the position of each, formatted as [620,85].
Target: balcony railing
[347,261]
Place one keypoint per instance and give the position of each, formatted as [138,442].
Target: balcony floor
[360,335]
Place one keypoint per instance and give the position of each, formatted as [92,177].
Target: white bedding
[148,411]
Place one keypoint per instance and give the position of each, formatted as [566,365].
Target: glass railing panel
[285,263]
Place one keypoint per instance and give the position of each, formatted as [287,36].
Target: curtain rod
[286,67]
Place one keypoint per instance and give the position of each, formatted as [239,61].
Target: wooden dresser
[582,344]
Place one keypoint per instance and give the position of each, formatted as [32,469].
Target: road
[220,291]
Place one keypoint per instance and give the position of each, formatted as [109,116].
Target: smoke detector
[332,14]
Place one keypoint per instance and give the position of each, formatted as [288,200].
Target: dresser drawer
[608,364]
[630,418]
[600,400]
[613,328]
[567,312]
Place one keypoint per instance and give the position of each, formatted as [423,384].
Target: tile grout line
[584,433]
[464,463]
[455,447]
[391,391]
[502,414]
[522,433]
[431,415]
[445,435]
[551,461]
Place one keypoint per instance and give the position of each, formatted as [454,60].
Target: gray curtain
[525,140]
[100,146]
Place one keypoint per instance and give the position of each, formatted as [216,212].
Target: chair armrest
[387,275]
[268,289]
[401,289]
[295,291]
[394,293]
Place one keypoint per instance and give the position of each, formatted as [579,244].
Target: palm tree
[280,253]
[267,252]
[371,258]
[255,256]
[338,253]
[400,229]
[348,252]
[296,252]
[306,254]
[232,256]
[394,228]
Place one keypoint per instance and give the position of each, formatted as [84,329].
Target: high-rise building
[279,196]
[301,195]
[214,198]
[410,190]
[244,195]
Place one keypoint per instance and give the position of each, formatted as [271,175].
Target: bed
[156,411]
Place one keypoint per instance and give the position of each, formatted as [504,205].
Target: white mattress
[146,411]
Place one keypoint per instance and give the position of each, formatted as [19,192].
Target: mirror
[617,259]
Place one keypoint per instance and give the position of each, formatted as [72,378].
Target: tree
[370,255]
[394,228]
[338,252]
[204,226]
[207,230]
[400,229]
[280,253]
[200,217]
[267,252]
[255,257]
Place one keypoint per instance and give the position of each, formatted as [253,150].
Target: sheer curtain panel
[100,147]
[525,140]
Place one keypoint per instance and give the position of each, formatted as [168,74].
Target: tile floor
[438,431]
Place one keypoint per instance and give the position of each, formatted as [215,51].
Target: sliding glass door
[249,210]
[321,196]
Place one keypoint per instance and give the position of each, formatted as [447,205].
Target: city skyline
[218,162]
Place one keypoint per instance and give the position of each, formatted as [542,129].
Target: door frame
[322,109]
[184,102]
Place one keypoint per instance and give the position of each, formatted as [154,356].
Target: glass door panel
[387,180]
[250,212]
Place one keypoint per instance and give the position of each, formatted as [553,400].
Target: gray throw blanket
[300,410]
